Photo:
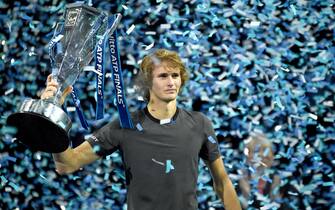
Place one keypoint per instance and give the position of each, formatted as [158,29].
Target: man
[259,157]
[160,156]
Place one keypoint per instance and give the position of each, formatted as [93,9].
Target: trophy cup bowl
[42,125]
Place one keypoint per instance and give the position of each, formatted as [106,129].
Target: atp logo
[71,18]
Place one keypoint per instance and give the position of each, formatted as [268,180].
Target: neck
[162,110]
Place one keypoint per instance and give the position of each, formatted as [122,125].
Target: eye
[175,75]
[163,75]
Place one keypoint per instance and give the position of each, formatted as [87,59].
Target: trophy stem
[57,97]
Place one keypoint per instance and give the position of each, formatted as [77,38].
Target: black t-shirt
[161,160]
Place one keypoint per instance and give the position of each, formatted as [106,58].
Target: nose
[170,80]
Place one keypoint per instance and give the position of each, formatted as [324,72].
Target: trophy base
[41,126]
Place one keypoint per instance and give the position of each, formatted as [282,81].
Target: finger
[67,91]
[50,80]
[52,84]
[52,89]
[49,92]
[46,95]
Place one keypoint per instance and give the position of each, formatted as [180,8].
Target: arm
[275,184]
[73,159]
[223,186]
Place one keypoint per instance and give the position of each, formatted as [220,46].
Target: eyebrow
[165,74]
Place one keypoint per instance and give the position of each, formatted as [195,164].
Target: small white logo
[94,138]
[71,18]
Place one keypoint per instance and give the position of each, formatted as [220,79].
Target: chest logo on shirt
[168,165]
[211,139]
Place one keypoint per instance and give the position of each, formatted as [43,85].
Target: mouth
[171,90]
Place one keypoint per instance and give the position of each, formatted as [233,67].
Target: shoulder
[137,116]
[114,124]
[200,120]
[188,113]
[195,116]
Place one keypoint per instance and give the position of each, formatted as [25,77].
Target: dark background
[254,66]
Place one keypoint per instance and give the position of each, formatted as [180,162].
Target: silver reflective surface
[48,110]
[72,47]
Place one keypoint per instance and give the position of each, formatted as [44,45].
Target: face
[166,83]
[260,156]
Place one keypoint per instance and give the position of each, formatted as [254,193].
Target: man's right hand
[51,90]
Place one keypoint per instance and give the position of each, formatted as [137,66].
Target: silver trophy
[42,125]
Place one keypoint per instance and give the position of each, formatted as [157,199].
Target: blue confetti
[14,186]
[3,180]
[265,65]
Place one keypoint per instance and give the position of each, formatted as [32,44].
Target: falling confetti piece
[149,46]
[130,29]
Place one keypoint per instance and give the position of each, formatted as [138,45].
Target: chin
[169,99]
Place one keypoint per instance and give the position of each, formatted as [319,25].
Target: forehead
[164,68]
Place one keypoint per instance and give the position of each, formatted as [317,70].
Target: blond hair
[161,56]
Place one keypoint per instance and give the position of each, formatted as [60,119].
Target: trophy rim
[38,132]
[47,109]
[41,126]
[83,5]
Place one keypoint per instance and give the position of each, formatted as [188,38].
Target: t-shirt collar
[164,121]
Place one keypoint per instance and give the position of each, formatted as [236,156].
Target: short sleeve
[107,139]
[210,148]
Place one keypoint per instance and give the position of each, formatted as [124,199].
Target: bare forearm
[228,195]
[72,159]
[65,161]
